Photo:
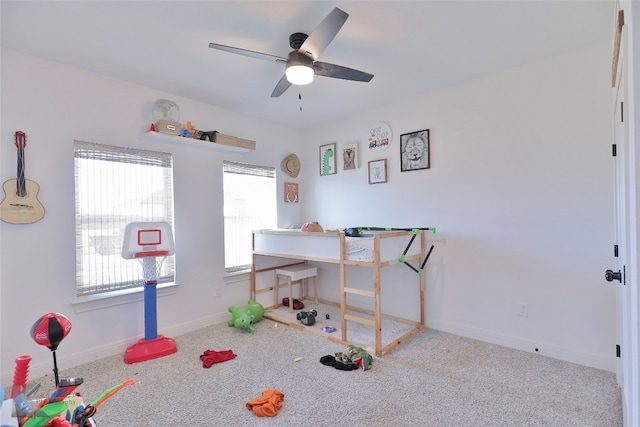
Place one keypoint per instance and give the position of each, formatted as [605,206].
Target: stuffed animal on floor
[357,355]
[244,317]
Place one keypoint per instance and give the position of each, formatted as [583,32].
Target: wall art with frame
[291,192]
[414,151]
[377,171]
[350,156]
[328,159]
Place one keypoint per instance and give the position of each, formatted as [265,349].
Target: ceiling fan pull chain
[300,98]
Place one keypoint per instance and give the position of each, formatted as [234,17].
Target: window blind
[113,187]
[249,204]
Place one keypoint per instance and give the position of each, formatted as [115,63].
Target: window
[115,186]
[249,204]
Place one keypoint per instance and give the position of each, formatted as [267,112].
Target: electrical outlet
[524,310]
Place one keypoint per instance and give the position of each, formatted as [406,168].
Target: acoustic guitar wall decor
[21,204]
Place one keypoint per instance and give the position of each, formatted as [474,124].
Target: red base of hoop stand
[145,350]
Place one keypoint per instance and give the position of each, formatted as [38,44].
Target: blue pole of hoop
[150,298]
[150,311]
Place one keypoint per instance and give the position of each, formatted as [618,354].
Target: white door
[623,274]
[615,276]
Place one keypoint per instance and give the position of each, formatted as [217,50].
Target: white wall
[55,104]
[520,190]
[521,193]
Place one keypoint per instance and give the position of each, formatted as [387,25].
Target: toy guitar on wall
[21,205]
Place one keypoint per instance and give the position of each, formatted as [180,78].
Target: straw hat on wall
[291,165]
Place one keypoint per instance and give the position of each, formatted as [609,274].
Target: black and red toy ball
[50,329]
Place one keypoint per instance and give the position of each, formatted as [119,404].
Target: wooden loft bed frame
[333,247]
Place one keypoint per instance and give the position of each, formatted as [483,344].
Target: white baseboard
[544,349]
[70,360]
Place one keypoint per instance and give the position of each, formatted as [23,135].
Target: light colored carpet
[433,379]
[357,333]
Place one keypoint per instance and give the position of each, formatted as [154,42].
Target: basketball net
[151,266]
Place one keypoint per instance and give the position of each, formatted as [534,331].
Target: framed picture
[291,192]
[414,151]
[377,171]
[328,159]
[350,156]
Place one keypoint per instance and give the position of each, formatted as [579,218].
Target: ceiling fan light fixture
[299,74]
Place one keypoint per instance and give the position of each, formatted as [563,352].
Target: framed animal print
[328,159]
[414,151]
[350,156]
[377,171]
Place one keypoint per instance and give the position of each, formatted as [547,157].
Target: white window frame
[258,200]
[134,185]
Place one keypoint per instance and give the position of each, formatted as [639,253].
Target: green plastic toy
[46,414]
[244,317]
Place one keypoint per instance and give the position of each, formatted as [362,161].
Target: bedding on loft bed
[360,248]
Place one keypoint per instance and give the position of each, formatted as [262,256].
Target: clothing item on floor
[268,404]
[330,360]
[209,357]
[355,354]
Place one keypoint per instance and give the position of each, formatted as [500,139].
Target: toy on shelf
[150,242]
[188,131]
[49,330]
[244,317]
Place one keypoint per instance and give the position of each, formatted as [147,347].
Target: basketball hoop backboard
[145,239]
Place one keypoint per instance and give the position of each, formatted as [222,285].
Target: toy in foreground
[244,317]
[49,330]
[83,417]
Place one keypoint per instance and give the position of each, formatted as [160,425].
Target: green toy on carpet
[244,317]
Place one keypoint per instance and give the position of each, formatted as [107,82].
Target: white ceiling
[411,47]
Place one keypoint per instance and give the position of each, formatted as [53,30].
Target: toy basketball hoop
[151,243]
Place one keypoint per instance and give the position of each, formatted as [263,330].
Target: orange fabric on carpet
[268,404]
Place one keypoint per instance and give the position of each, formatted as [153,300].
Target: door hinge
[622,111]
[617,350]
[615,251]
[614,150]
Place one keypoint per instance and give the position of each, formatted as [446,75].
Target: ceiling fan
[301,63]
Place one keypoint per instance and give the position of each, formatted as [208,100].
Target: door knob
[610,276]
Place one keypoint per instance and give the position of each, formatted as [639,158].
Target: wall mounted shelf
[193,142]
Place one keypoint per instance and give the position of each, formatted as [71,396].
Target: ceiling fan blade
[322,35]
[339,72]
[249,53]
[282,85]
